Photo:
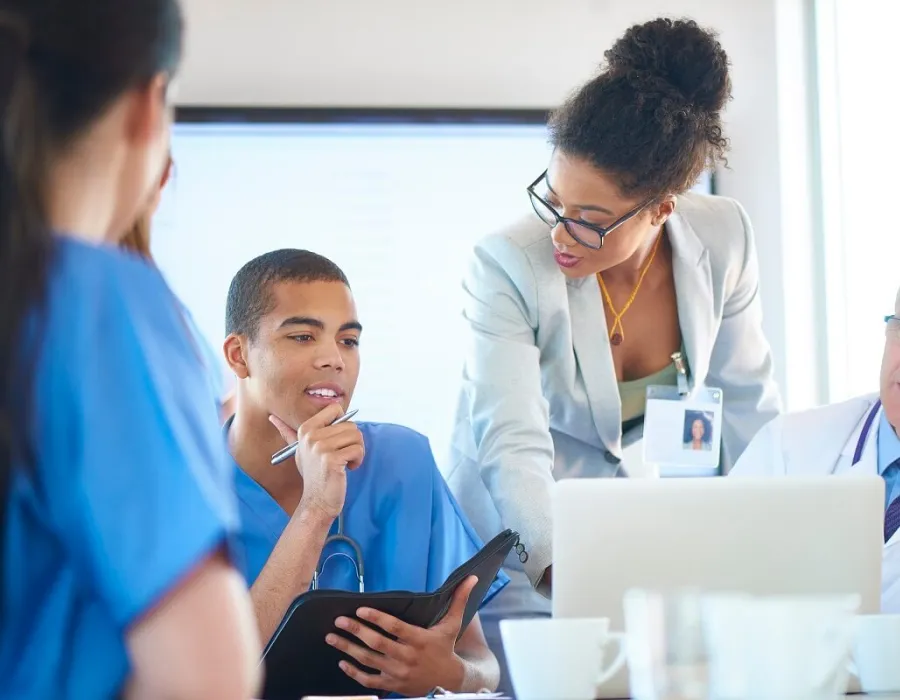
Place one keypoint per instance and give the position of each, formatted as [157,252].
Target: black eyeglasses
[587,234]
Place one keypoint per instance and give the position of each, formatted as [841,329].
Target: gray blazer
[539,399]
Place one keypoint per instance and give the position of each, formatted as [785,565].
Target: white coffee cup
[876,653]
[553,658]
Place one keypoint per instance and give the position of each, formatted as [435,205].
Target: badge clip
[683,387]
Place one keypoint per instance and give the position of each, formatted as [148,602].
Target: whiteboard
[397,206]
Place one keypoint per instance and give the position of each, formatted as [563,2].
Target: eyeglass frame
[602,231]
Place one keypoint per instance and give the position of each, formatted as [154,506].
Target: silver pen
[287,452]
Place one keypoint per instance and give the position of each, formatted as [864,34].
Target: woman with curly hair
[573,311]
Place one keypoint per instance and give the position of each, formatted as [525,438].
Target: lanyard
[864,433]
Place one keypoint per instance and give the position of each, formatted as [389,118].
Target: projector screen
[397,206]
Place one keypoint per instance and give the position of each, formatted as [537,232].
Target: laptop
[763,536]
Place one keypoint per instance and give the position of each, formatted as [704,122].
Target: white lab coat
[819,442]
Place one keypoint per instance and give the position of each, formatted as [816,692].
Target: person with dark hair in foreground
[116,490]
[293,343]
[575,310]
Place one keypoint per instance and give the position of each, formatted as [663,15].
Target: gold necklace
[617,332]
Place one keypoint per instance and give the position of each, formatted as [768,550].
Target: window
[856,42]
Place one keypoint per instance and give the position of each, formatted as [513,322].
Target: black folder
[297,660]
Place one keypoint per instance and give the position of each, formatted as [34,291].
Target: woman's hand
[418,661]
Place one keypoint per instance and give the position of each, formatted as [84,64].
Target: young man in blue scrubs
[293,344]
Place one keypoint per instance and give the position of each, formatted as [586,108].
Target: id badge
[683,430]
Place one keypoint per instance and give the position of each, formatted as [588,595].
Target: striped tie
[891,519]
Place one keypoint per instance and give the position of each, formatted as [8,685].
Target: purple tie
[891,519]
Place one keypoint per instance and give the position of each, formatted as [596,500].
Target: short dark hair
[250,293]
[652,117]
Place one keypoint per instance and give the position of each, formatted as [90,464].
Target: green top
[634,393]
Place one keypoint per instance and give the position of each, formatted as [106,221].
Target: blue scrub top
[411,530]
[131,487]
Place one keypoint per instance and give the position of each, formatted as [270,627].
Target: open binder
[299,662]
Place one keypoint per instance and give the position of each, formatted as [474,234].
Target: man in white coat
[856,436]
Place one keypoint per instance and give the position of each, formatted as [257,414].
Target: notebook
[298,661]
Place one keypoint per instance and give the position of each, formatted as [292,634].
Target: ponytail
[25,252]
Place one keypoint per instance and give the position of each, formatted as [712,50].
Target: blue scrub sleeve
[153,493]
[453,539]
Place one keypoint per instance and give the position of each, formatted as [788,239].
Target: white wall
[530,53]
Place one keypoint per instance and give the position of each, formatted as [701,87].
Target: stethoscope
[356,559]
[864,433]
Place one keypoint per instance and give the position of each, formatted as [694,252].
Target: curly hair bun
[674,57]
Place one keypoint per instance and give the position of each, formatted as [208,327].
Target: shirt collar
[888,445]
